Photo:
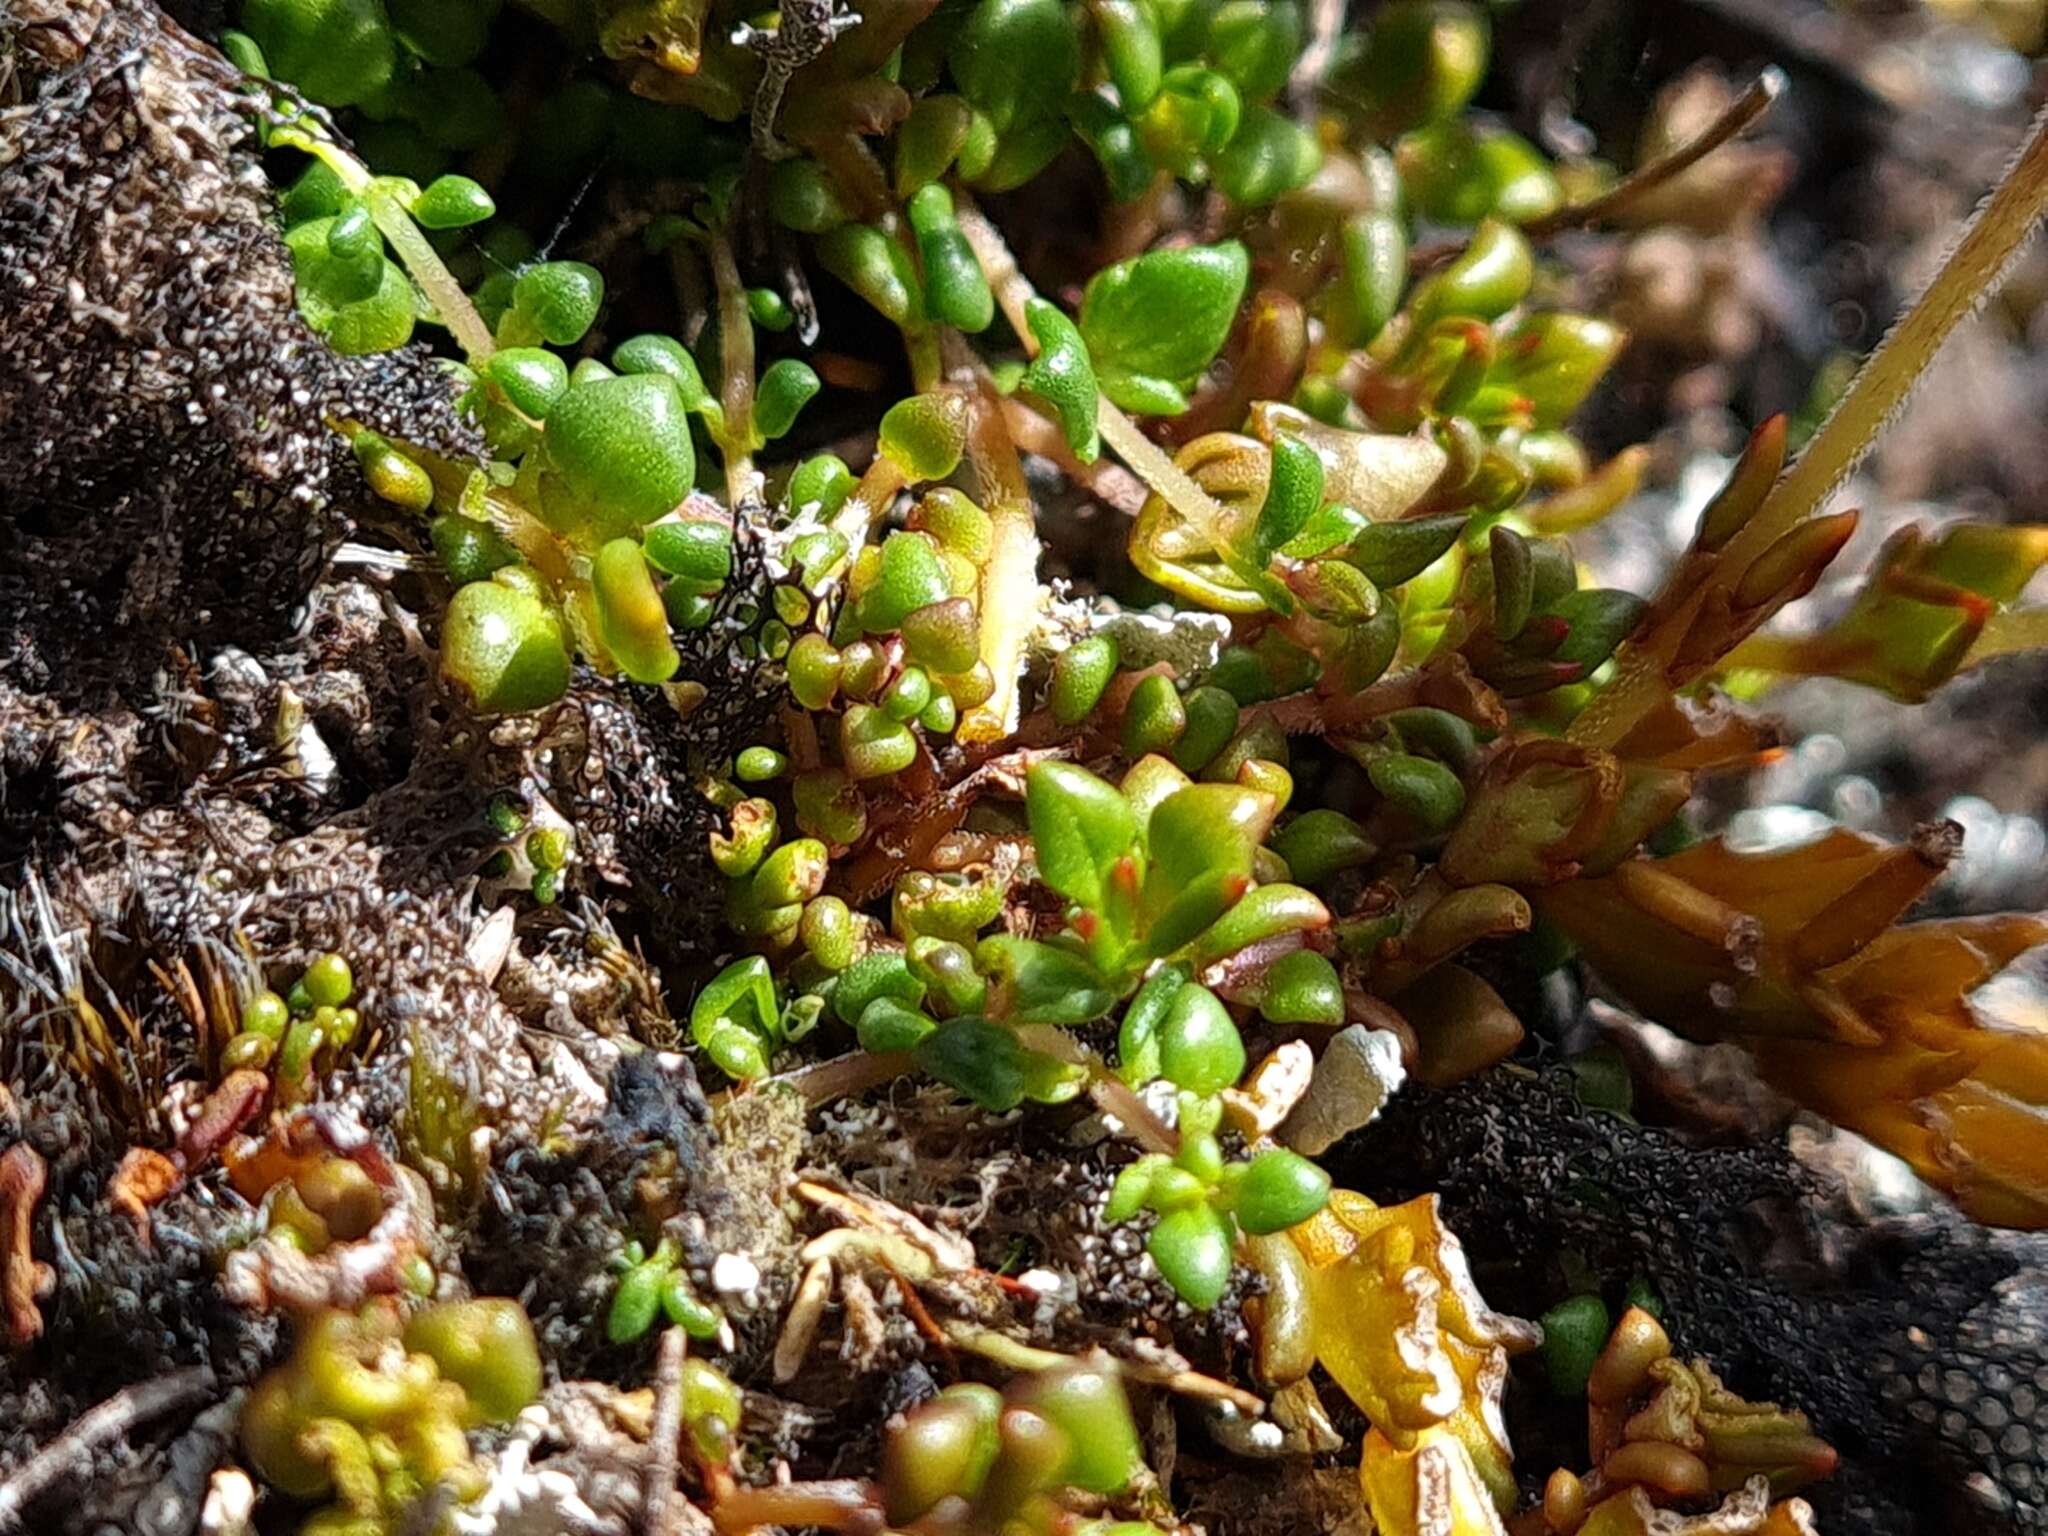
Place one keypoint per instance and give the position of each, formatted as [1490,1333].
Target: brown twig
[1744,110]
[1739,115]
[842,1077]
[72,1452]
[658,1477]
[1305,80]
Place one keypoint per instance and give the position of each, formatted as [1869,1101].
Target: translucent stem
[1009,579]
[736,367]
[414,251]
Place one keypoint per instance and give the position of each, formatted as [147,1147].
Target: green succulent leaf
[1080,827]
[1155,322]
[1062,378]
[1192,1248]
[1039,983]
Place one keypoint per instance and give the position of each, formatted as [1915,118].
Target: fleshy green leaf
[1037,983]
[1080,827]
[1154,322]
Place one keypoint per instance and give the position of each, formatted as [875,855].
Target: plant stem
[1739,114]
[1009,579]
[424,263]
[736,367]
[1973,272]
[1150,463]
[415,252]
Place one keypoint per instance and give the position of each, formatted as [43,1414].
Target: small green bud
[1201,1155]
[302,1042]
[346,1022]
[1062,378]
[819,486]
[880,973]
[828,932]
[682,1306]
[265,1014]
[1490,278]
[792,873]
[956,291]
[873,746]
[1016,59]
[532,379]
[1131,51]
[248,1050]
[926,434]
[944,636]
[486,1346]
[802,197]
[814,668]
[1080,673]
[329,981]
[943,1448]
[1269,156]
[955,521]
[769,310]
[1422,62]
[948,971]
[1192,1247]
[912,576]
[929,140]
[1211,723]
[1280,1189]
[452,202]
[1132,1191]
[695,551]
[887,1025]
[757,765]
[875,267]
[829,806]
[655,353]
[1088,1403]
[555,302]
[1302,987]
[317,193]
[736,1017]
[631,616]
[1199,1046]
[785,389]
[906,697]
[618,454]
[1423,788]
[1154,718]
[1318,843]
